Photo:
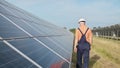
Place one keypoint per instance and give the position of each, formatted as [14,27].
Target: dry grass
[105,53]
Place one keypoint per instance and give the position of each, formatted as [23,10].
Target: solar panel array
[29,42]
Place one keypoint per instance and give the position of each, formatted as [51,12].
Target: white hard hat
[81,19]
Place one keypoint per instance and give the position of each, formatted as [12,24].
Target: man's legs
[85,58]
[79,58]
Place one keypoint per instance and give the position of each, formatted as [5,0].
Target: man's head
[81,21]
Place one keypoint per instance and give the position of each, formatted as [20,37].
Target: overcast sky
[66,13]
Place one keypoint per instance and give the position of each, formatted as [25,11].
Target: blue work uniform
[83,48]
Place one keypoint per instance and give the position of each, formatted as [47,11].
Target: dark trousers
[82,54]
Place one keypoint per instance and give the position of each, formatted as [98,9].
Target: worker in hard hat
[83,41]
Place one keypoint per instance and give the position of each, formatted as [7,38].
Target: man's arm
[90,37]
[76,41]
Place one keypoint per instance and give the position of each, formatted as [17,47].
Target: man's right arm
[76,41]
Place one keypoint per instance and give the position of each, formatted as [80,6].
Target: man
[83,41]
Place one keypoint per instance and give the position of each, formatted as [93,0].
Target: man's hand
[75,49]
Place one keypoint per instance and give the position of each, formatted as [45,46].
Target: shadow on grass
[93,60]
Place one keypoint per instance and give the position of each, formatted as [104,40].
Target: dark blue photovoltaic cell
[57,46]
[11,59]
[16,27]
[9,30]
[36,51]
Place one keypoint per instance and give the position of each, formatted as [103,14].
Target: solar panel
[29,42]
[10,59]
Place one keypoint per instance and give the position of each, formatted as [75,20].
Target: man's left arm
[90,37]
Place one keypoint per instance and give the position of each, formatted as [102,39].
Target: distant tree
[94,28]
[72,30]
[65,27]
[99,27]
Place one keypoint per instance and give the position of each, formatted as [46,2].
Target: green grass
[105,53]
[108,48]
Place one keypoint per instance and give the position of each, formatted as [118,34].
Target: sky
[66,13]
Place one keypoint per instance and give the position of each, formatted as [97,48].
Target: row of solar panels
[29,42]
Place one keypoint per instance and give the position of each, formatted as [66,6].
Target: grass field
[105,53]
